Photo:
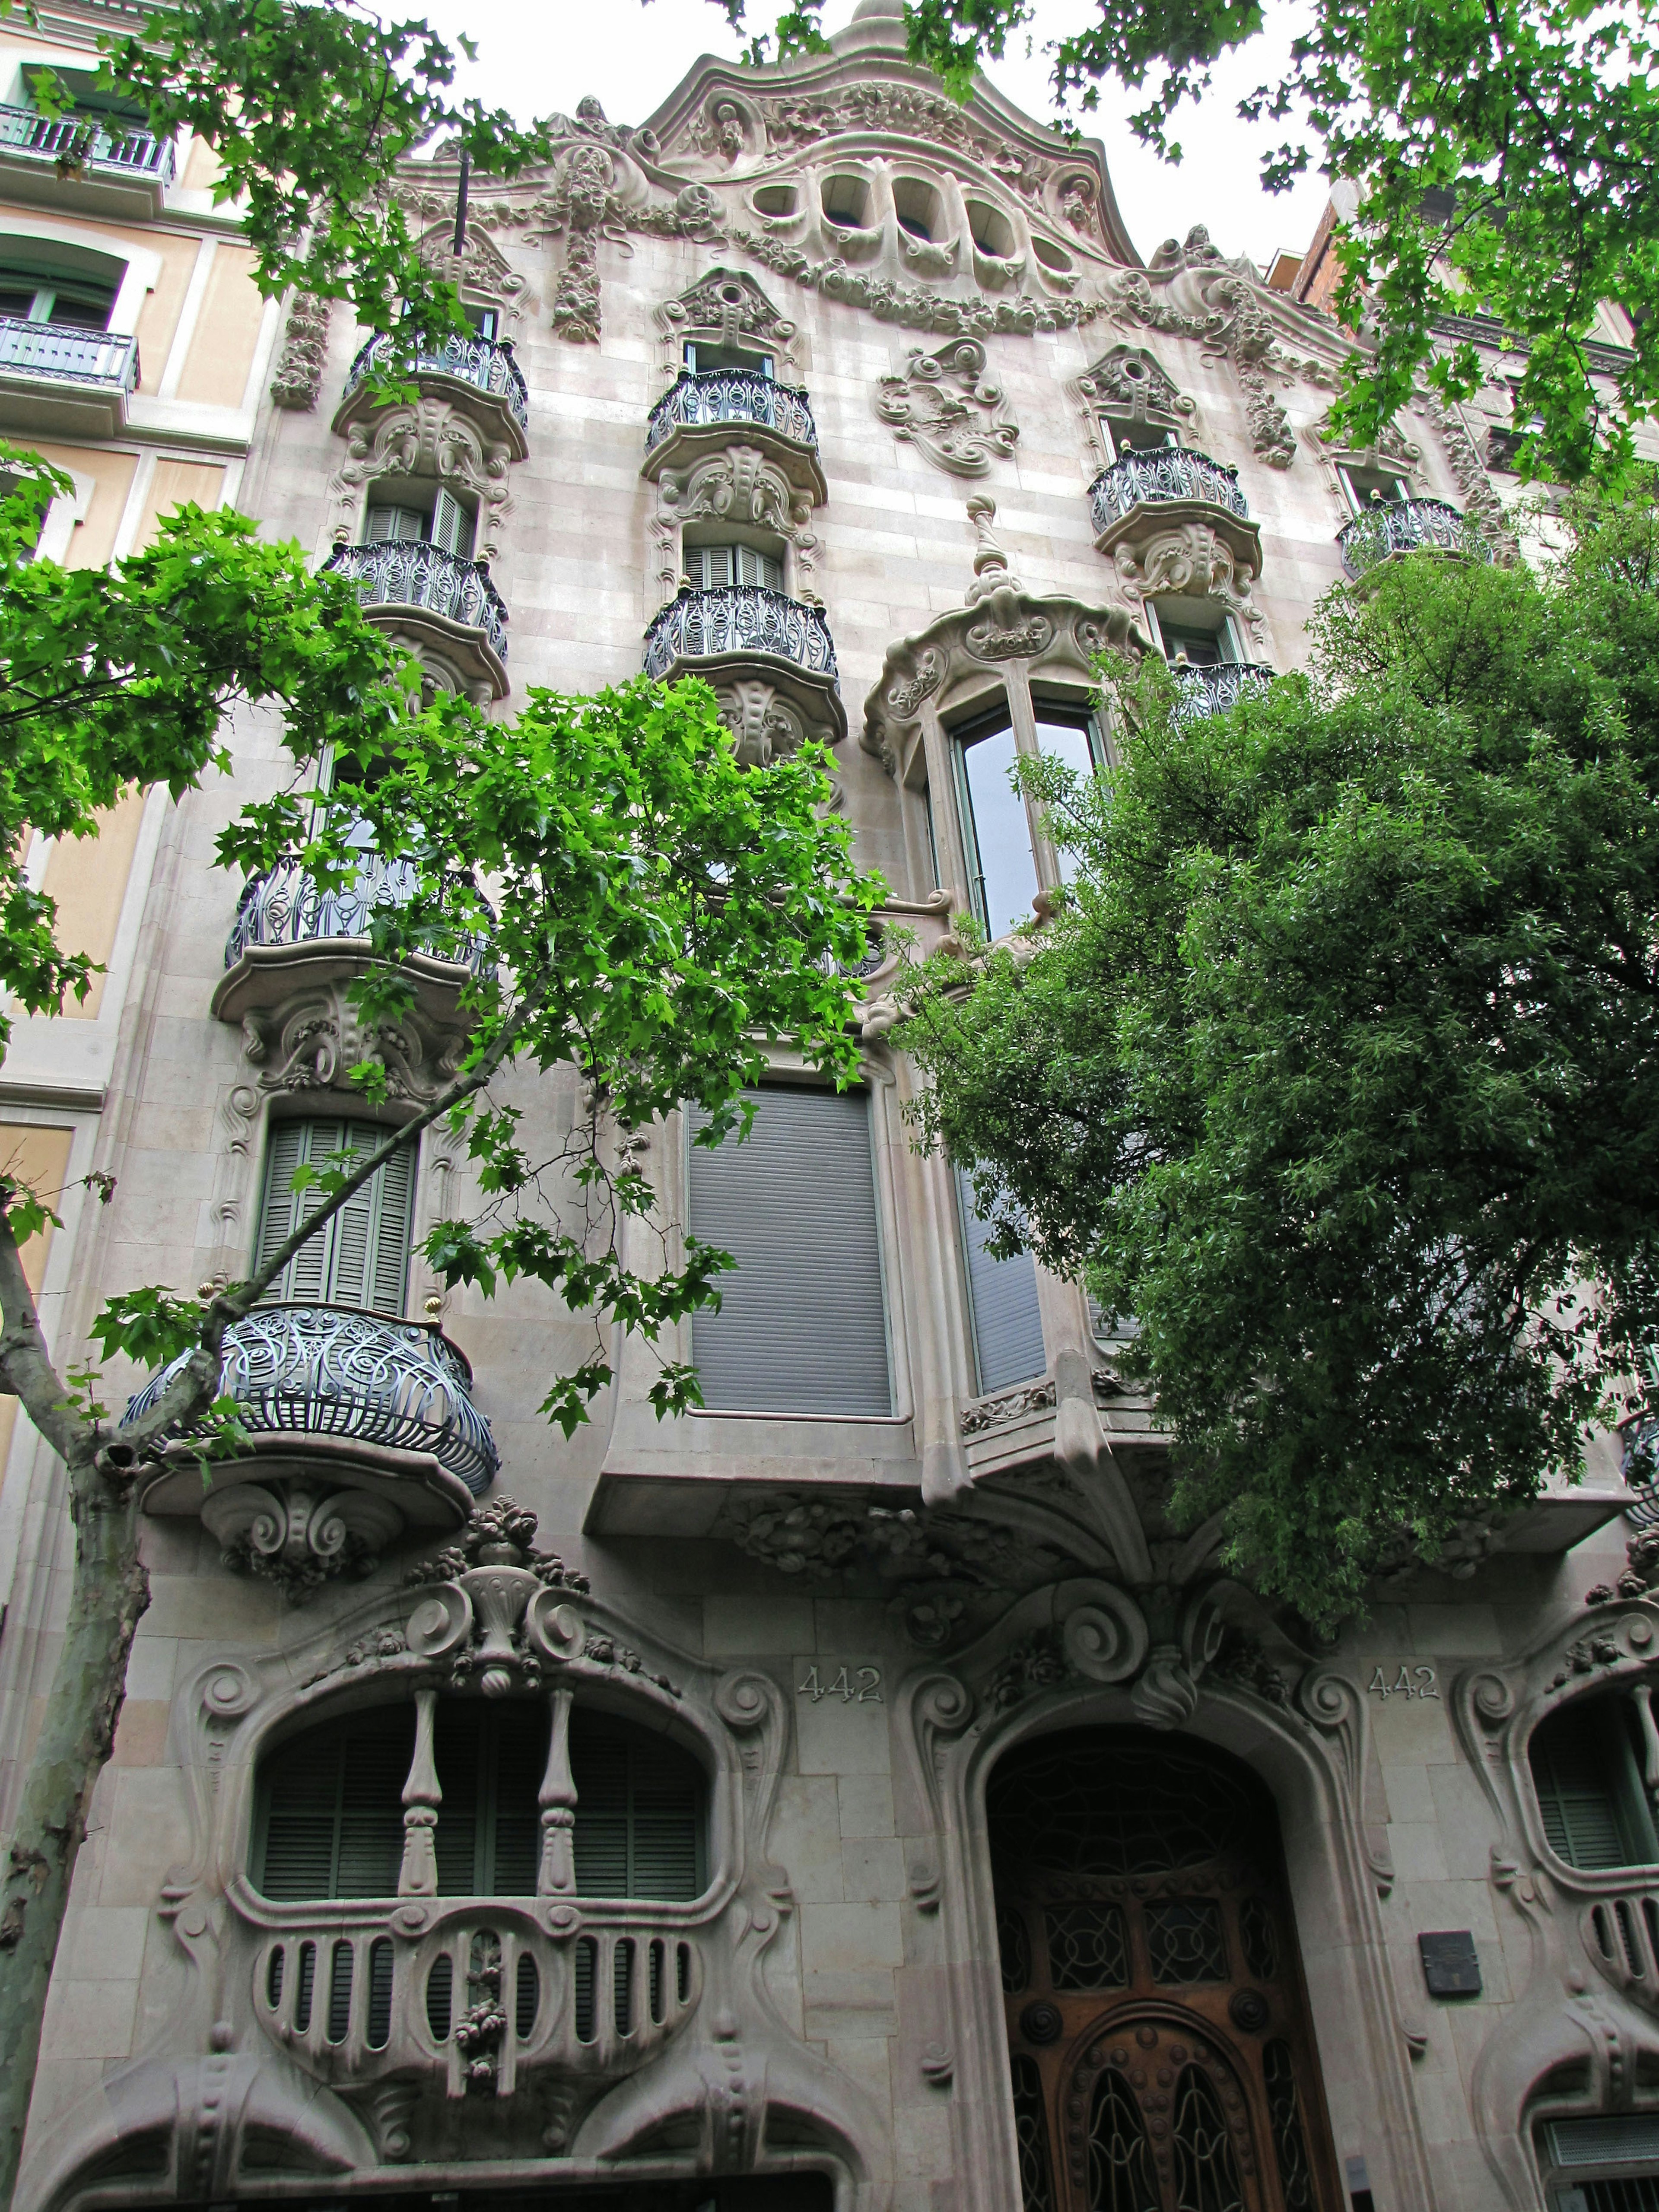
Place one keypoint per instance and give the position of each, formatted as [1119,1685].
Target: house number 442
[854,1686]
[1409,1682]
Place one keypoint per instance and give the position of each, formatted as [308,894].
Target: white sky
[537,58]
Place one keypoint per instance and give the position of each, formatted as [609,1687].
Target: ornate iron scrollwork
[486,362]
[409,571]
[1408,525]
[736,395]
[1164,473]
[741,618]
[1206,691]
[285,906]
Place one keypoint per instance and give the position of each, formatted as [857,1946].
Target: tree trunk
[110,1592]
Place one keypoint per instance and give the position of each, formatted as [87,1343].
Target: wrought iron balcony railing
[286,907]
[75,139]
[1206,691]
[1164,473]
[485,1997]
[486,362]
[741,618]
[731,395]
[336,1371]
[409,571]
[57,353]
[1408,525]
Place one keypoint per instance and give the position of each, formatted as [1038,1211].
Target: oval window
[775,200]
[847,203]
[919,210]
[992,233]
[1051,257]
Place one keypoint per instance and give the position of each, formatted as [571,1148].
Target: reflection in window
[996,827]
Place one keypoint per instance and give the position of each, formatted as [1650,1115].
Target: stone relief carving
[298,1534]
[315,1040]
[1480,500]
[1193,558]
[481,272]
[909,306]
[339,2104]
[297,381]
[430,439]
[944,403]
[740,485]
[767,725]
[1136,386]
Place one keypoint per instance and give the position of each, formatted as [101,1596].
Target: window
[846,201]
[1368,487]
[1002,1299]
[486,321]
[996,828]
[1588,1779]
[802,1326]
[713,568]
[359,1258]
[329,1819]
[992,233]
[1119,436]
[445,522]
[1202,636]
[702,359]
[918,207]
[46,295]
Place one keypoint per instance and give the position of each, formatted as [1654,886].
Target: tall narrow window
[63,297]
[1119,436]
[1003,1297]
[1590,1793]
[490,1760]
[1185,635]
[701,358]
[996,827]
[802,1325]
[360,1257]
[330,1818]
[639,1814]
[1367,487]
[445,523]
[713,568]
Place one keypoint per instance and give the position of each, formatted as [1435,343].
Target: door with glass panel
[1158,2026]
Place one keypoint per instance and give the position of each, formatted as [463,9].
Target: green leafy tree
[653,911]
[1504,155]
[1340,1069]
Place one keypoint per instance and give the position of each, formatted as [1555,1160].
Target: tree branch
[25,1367]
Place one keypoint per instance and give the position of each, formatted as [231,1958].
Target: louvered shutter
[457,1727]
[1003,1296]
[360,1257]
[387,1272]
[452,525]
[598,1766]
[331,1811]
[802,1327]
[387,524]
[285,1209]
[666,1826]
[638,1813]
[519,1759]
[1577,1792]
[753,568]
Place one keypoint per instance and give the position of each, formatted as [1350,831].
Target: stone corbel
[1183,548]
[302,1032]
[299,1534]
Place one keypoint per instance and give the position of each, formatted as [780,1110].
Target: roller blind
[360,1257]
[802,1327]
[332,1821]
[1002,1295]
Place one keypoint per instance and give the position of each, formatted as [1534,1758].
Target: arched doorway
[1157,2025]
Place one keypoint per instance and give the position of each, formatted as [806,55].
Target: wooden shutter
[360,1257]
[490,1760]
[753,568]
[1578,1791]
[802,1327]
[1003,1296]
[638,1813]
[332,1816]
[383,523]
[452,527]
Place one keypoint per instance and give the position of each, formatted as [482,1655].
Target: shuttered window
[1002,1295]
[360,1257]
[330,1817]
[802,1327]
[711,568]
[638,1813]
[1590,1796]
[490,1760]
[448,523]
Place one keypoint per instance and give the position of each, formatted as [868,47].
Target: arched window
[1161,2055]
[330,1811]
[1589,1763]
[996,824]
[360,1257]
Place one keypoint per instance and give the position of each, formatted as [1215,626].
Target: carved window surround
[1130,385]
[1188,549]
[728,308]
[1394,454]
[732,479]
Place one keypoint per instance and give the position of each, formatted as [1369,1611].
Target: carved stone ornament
[768,725]
[709,2064]
[944,404]
[1160,549]
[314,1038]
[299,1534]
[739,483]
[297,381]
[432,439]
[1055,637]
[1135,386]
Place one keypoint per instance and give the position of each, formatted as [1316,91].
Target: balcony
[1393,527]
[478,1997]
[438,601]
[770,659]
[70,382]
[1148,493]
[478,376]
[338,1373]
[1206,691]
[79,162]
[698,416]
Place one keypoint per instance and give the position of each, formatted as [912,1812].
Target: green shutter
[331,1813]
[359,1258]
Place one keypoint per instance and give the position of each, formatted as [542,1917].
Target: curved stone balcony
[479,377]
[1408,525]
[1167,490]
[78,161]
[699,413]
[1206,691]
[745,639]
[434,598]
[55,378]
[476,1995]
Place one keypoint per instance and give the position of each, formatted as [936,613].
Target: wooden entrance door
[1156,2021]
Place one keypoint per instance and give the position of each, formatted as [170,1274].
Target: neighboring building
[875,1803]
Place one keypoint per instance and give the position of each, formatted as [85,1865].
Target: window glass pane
[999,835]
[1069,742]
[802,1327]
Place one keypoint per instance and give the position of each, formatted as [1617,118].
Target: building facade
[857,1793]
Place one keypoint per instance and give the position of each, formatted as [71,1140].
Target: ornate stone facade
[843,1623]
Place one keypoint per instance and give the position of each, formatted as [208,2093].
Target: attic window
[992,233]
[847,203]
[919,210]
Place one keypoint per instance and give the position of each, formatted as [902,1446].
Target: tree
[655,912]
[1504,154]
[1339,1070]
